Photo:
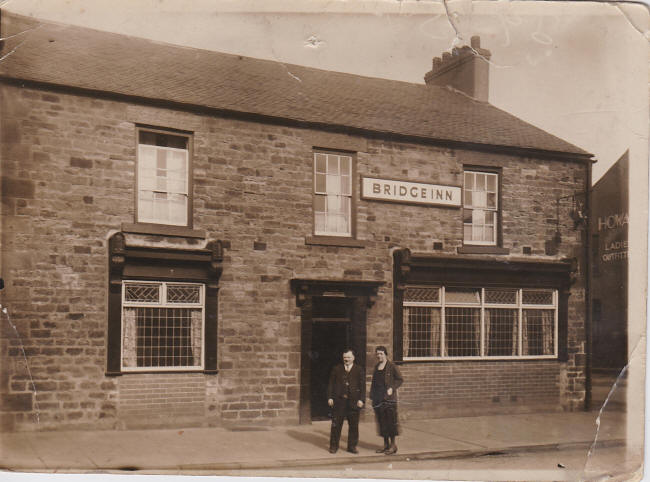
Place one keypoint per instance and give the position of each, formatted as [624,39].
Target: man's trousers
[344,409]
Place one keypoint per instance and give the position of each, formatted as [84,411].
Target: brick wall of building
[147,400]
[479,387]
[68,172]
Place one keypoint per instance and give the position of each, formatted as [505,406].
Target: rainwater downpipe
[588,268]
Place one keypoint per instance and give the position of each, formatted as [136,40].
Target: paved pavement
[205,450]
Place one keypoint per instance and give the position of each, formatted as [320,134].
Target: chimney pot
[475,42]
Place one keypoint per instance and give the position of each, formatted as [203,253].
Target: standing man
[346,394]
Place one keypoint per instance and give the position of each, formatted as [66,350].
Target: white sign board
[410,192]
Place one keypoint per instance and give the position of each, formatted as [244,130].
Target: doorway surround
[361,296]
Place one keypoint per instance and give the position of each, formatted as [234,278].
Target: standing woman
[386,379]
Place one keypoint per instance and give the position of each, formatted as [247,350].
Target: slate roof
[90,59]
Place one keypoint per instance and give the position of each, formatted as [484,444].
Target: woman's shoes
[391,450]
[382,450]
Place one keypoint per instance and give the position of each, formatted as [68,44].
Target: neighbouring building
[609,247]
[190,238]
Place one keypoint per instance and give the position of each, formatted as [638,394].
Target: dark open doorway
[331,318]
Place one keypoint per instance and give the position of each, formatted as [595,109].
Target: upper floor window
[480,208]
[333,194]
[164,183]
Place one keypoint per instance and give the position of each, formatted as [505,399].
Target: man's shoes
[353,450]
[382,450]
[391,450]
[333,450]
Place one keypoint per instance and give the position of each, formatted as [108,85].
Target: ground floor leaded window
[162,326]
[448,322]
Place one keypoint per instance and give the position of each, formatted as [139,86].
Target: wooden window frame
[163,303]
[190,169]
[425,269]
[332,238]
[519,306]
[160,264]
[498,241]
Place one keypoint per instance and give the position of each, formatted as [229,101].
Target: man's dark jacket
[357,379]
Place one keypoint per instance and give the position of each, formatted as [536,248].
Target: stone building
[189,238]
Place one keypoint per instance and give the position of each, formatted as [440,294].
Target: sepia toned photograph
[328,239]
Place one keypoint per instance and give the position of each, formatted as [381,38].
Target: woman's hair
[382,348]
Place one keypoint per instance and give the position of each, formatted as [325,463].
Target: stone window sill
[529,359]
[159,372]
[482,250]
[162,230]
[334,241]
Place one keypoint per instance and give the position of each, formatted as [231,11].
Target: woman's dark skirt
[386,417]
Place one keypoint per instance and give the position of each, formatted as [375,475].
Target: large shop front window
[162,326]
[480,208]
[448,322]
[332,194]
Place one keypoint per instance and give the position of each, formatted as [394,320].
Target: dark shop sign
[410,192]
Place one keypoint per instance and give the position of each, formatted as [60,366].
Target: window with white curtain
[332,194]
[162,325]
[480,208]
[459,322]
[163,178]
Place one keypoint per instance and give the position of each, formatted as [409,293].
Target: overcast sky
[577,70]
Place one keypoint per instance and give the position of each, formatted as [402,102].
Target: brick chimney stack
[465,69]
